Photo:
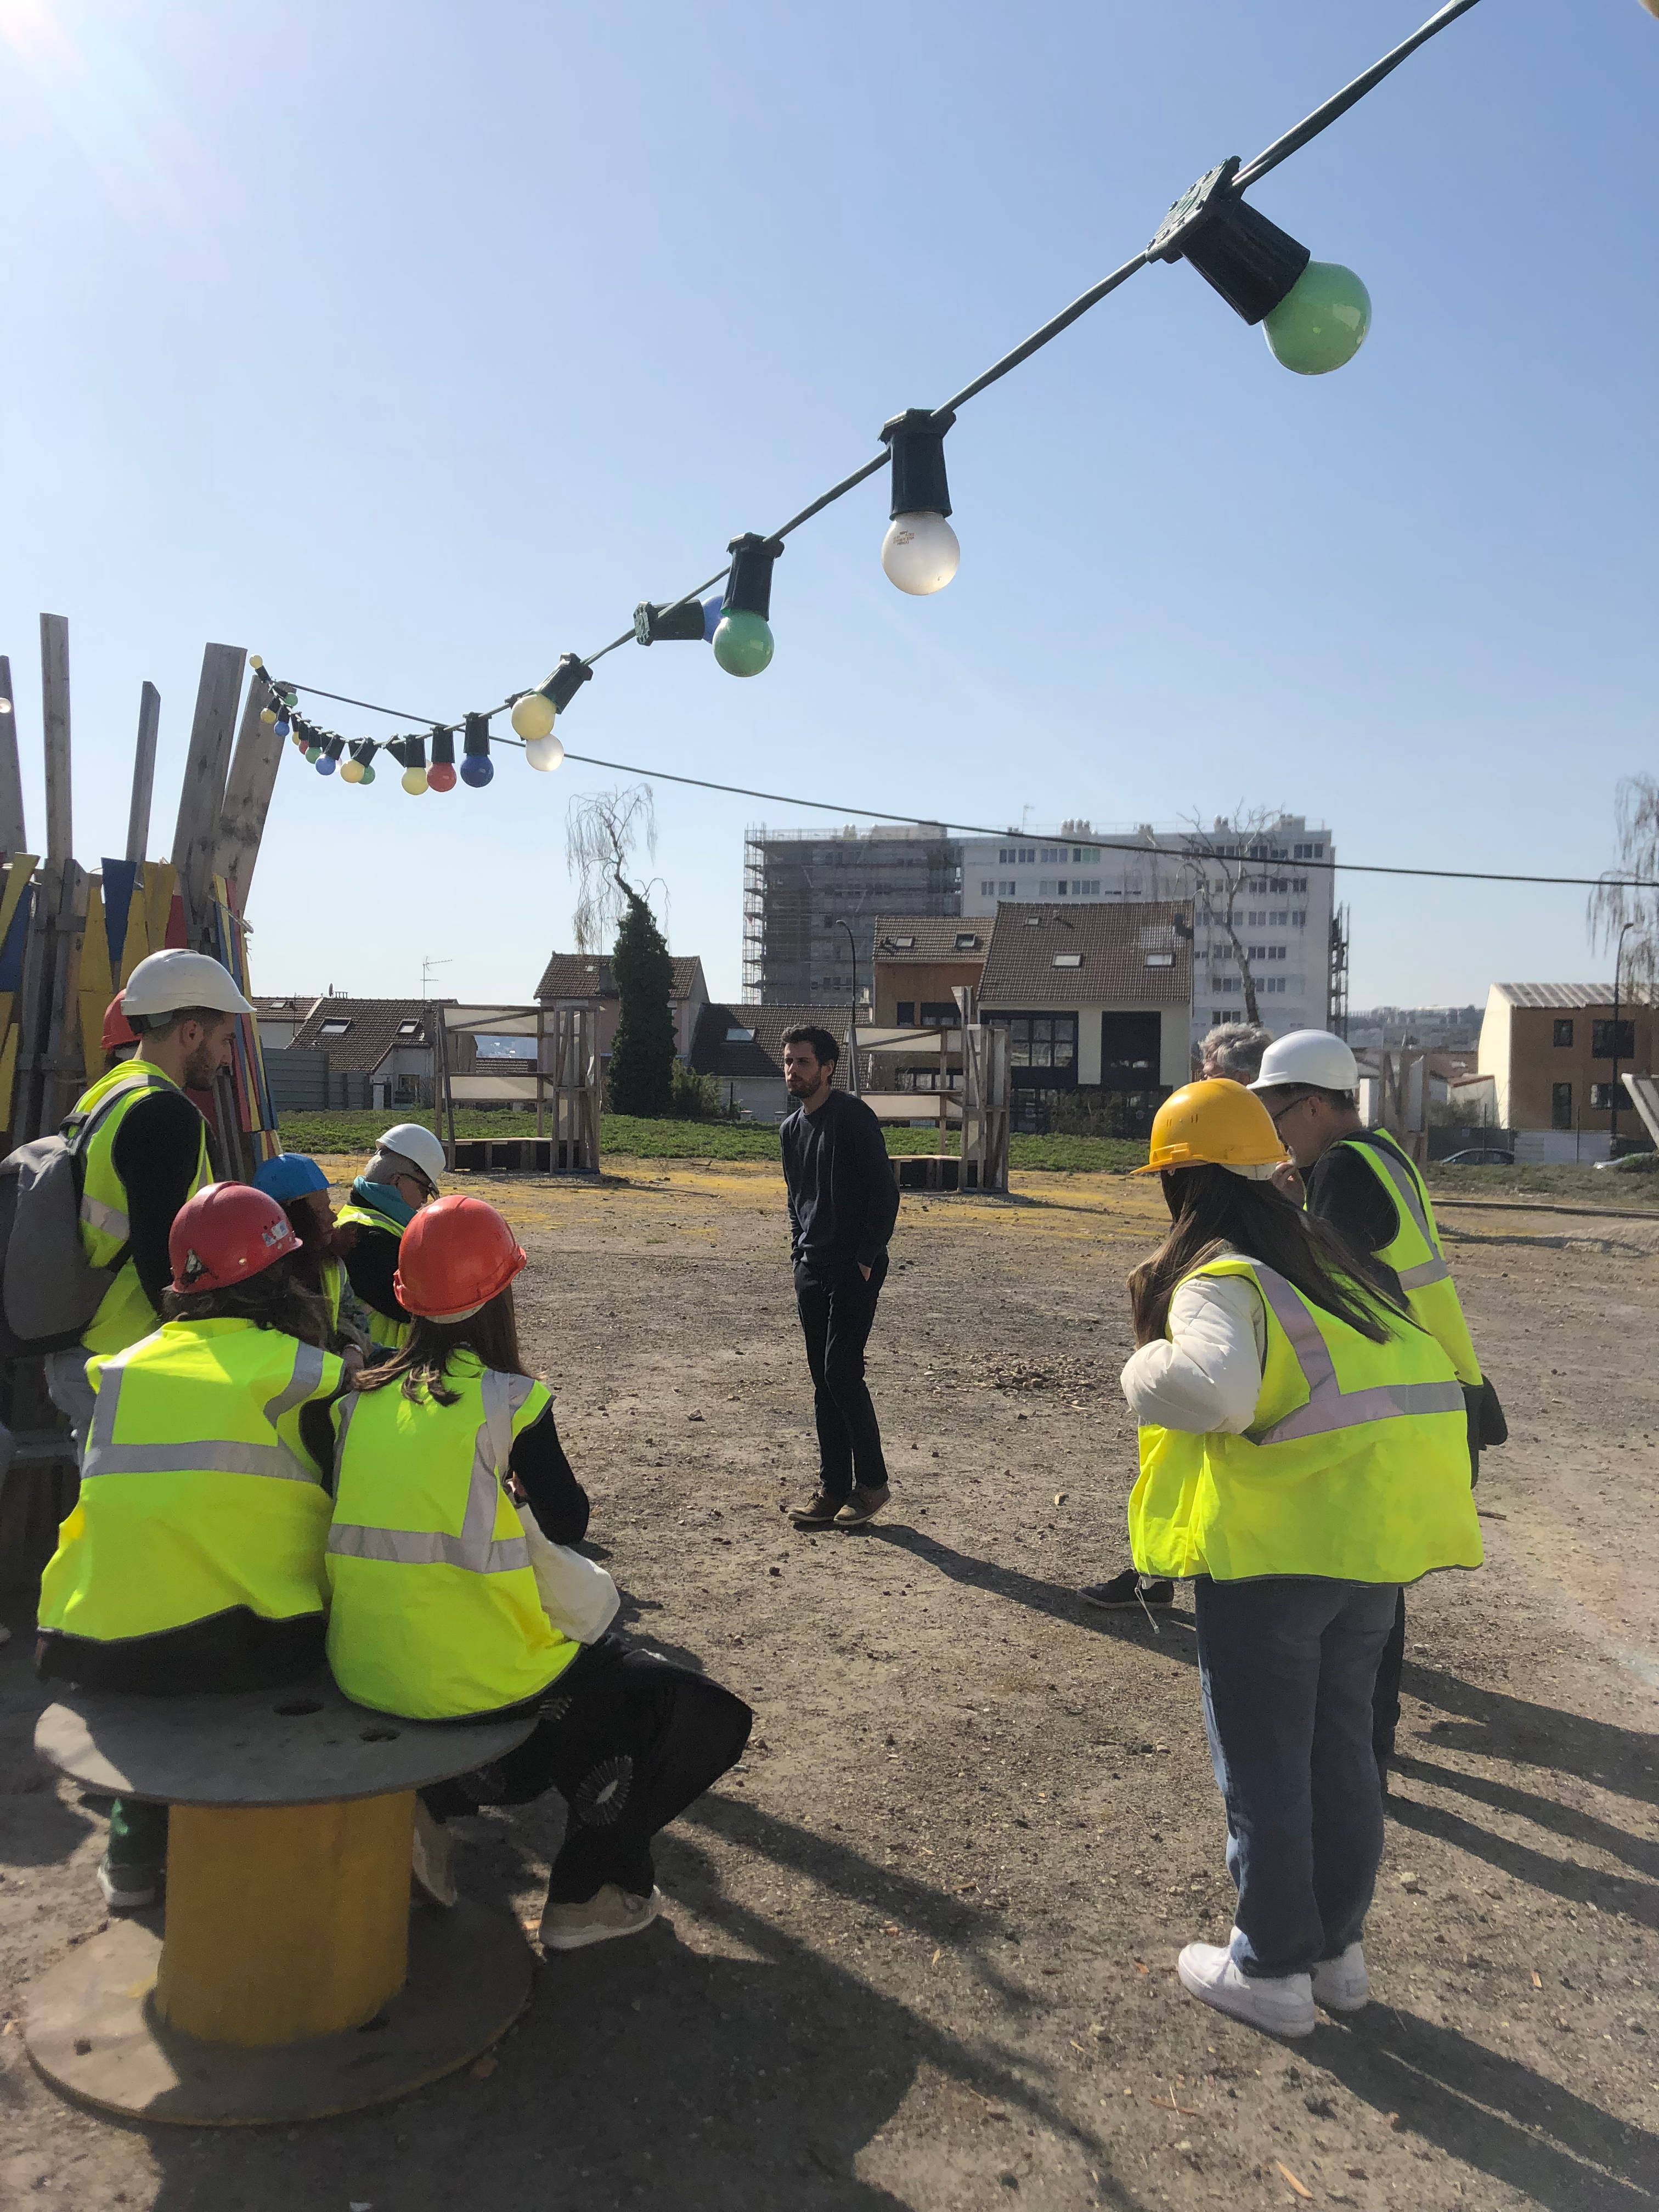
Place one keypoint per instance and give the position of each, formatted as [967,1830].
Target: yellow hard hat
[1215,1124]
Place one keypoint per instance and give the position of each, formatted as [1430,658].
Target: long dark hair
[316,1240]
[1215,1211]
[274,1298]
[421,1365]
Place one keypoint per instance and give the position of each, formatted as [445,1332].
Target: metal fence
[302,1082]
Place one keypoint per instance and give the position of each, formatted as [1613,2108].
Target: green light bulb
[1321,321]
[742,643]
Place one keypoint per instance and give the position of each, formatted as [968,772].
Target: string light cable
[1315,315]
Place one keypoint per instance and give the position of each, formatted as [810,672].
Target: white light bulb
[544,753]
[919,552]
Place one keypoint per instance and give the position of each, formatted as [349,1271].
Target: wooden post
[201,799]
[55,709]
[13,838]
[143,773]
[248,795]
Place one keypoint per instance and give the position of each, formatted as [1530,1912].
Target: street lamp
[840,922]
[1612,1095]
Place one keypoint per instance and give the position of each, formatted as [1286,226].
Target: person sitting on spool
[300,1188]
[400,1178]
[436,1614]
[1304,1453]
[193,1558]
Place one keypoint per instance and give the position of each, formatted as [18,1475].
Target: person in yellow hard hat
[1304,1453]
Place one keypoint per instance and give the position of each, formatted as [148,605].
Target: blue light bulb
[477,769]
[325,765]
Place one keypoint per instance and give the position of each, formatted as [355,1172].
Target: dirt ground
[919,1950]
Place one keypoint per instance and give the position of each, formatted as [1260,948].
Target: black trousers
[629,1740]
[835,1316]
[1385,1696]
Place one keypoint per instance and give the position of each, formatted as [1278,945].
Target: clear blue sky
[410,346]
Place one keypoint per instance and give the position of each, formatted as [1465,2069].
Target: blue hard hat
[289,1177]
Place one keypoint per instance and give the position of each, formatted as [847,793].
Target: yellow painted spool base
[92,2031]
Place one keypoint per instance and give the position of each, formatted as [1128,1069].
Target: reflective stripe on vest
[477,1548]
[1414,1253]
[220,1456]
[1329,1406]
[97,1215]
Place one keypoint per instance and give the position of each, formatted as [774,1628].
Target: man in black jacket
[843,1203]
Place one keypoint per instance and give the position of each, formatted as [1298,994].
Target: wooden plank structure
[561,1082]
[70,938]
[976,1103]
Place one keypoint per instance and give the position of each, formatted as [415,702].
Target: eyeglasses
[427,1189]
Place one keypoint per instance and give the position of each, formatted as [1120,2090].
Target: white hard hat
[167,983]
[411,1142]
[1311,1056]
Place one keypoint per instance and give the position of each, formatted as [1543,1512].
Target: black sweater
[155,1153]
[843,1200]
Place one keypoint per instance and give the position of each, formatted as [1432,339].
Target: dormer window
[335,1028]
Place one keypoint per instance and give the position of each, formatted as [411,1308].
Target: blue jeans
[1288,1664]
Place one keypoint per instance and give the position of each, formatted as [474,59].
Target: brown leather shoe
[818,1512]
[863,1505]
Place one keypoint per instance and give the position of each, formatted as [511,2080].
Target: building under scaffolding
[800,886]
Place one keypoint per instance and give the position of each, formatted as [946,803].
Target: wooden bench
[291,1980]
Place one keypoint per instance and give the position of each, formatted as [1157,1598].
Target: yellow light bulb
[254,661]
[532,716]
[351,771]
[267,714]
[414,781]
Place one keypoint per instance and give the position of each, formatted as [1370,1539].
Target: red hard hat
[224,1235]
[117,1029]
[455,1256]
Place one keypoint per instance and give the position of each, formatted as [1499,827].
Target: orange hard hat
[226,1234]
[117,1029]
[455,1256]
[1216,1123]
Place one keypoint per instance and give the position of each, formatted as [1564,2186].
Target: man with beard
[144,1153]
[843,1203]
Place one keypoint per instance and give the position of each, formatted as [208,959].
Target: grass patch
[622,1133]
[1578,1186]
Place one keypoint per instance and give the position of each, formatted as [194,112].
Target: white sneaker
[1341,1984]
[1283,2004]
[429,1859]
[122,1894]
[610,1911]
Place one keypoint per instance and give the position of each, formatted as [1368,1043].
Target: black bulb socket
[477,739]
[443,747]
[916,440]
[1251,261]
[567,680]
[334,749]
[749,581]
[654,625]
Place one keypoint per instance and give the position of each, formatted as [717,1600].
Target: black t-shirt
[843,1200]
[156,1152]
[1346,1191]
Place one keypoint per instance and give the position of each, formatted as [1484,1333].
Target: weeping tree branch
[1613,903]
[601,830]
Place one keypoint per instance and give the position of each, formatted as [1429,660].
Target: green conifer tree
[643,1056]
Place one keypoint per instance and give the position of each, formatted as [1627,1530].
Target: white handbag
[577,1595]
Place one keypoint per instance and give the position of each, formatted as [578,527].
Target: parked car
[1478,1158]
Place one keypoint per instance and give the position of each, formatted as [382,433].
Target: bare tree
[1615,902]
[600,833]
[1217,864]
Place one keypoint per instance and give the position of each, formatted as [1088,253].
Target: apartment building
[1294,935]
[800,886]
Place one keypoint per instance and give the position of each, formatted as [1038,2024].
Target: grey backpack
[49,1288]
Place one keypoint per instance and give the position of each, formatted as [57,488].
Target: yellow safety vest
[435,1611]
[196,1492]
[333,1274]
[385,1330]
[125,1313]
[1356,1465]
[1415,1255]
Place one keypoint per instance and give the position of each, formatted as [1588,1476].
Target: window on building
[408,1029]
[1085,886]
[1309,852]
[1041,1048]
[966,941]
[1068,959]
[739,1036]
[1089,853]
[1604,1045]
[1561,1101]
[1602,1097]
[904,944]
[904,1014]
[940,1014]
[335,1028]
[1563,1035]
[1160,960]
[988,886]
